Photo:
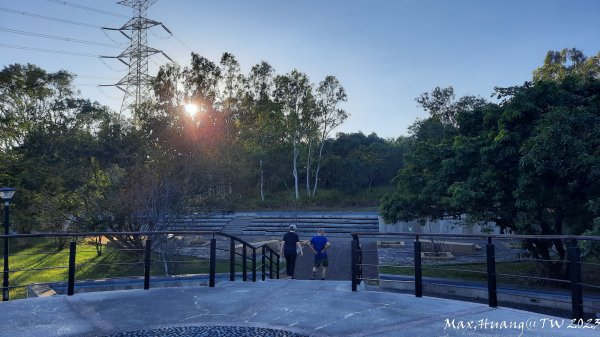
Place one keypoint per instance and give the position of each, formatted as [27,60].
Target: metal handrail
[482,236]
[572,258]
[249,253]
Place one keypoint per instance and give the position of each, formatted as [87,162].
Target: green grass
[38,261]
[467,272]
[477,272]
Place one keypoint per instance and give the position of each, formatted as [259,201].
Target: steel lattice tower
[136,84]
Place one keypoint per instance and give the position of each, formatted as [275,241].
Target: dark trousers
[290,263]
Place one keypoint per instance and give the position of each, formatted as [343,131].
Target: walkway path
[339,256]
[304,308]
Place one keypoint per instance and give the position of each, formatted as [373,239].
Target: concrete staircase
[307,223]
[201,222]
[238,224]
[278,223]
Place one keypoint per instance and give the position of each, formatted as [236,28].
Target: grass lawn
[38,261]
[477,272]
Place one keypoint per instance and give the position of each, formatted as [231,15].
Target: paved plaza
[271,308]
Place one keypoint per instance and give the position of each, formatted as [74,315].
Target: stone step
[313,225]
[303,233]
[196,228]
[315,216]
[202,220]
[313,230]
[278,223]
[237,225]
[309,221]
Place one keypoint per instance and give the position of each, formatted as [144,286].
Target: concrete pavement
[306,308]
[339,256]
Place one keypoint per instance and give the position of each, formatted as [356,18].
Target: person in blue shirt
[319,245]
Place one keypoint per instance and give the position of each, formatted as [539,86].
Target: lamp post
[6,193]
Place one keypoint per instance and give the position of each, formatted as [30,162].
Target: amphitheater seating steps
[307,224]
[201,222]
[277,223]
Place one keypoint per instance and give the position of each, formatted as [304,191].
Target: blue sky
[385,53]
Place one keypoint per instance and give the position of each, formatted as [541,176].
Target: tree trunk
[318,167]
[295,170]
[98,244]
[262,195]
[308,168]
[165,264]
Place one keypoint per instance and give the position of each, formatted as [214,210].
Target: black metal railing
[231,249]
[572,279]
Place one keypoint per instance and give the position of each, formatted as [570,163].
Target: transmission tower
[136,84]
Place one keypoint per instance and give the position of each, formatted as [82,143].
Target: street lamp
[6,193]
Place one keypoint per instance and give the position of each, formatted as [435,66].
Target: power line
[83,24]
[53,37]
[160,37]
[108,66]
[62,52]
[92,77]
[109,96]
[171,35]
[85,84]
[181,42]
[110,38]
[91,9]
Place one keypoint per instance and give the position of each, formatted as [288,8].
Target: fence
[406,264]
[200,249]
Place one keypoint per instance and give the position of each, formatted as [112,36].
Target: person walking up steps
[319,245]
[290,248]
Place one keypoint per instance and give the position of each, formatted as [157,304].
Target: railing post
[5,291]
[418,274]
[232,260]
[270,264]
[263,261]
[244,263]
[277,265]
[213,262]
[147,255]
[574,257]
[354,261]
[491,274]
[71,282]
[253,264]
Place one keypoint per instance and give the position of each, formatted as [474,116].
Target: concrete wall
[447,226]
[133,283]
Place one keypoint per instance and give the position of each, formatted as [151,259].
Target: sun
[191,109]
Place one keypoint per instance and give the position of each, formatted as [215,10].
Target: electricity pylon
[136,84]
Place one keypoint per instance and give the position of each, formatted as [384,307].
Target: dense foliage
[529,162]
[79,166]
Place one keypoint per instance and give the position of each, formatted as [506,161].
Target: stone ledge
[40,290]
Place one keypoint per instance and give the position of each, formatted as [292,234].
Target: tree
[51,140]
[560,64]
[439,104]
[294,92]
[29,97]
[330,94]
[529,163]
[262,120]
[421,184]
